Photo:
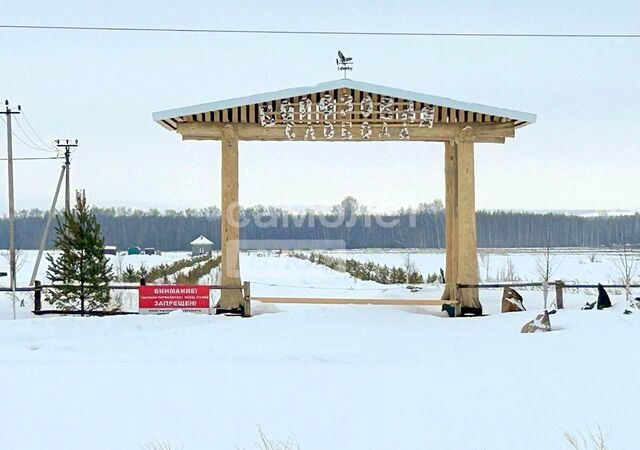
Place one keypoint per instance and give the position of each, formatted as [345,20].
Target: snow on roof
[344,83]
[201,240]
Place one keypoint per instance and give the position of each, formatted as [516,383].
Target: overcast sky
[101,88]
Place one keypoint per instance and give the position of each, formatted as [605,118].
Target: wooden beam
[441,132]
[467,271]
[489,140]
[451,219]
[207,131]
[493,130]
[230,222]
[351,301]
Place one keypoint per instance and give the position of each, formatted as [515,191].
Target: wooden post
[246,306]
[451,216]
[559,294]
[230,299]
[467,255]
[37,295]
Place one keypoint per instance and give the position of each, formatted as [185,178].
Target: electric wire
[326,32]
[26,119]
[26,135]
[25,158]
[52,150]
[20,139]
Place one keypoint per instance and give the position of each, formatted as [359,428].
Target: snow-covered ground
[348,377]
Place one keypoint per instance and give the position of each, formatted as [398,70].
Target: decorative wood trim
[440,132]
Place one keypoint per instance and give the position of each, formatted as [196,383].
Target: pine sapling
[80,271]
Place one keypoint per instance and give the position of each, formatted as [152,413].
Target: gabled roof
[163,117]
[201,240]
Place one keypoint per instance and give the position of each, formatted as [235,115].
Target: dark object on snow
[540,324]
[470,311]
[603,298]
[464,310]
[449,309]
[511,301]
[553,311]
[110,250]
[237,312]
[37,295]
[589,305]
[444,279]
[627,312]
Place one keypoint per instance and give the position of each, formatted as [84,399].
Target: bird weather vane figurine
[344,63]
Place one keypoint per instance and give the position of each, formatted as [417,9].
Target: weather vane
[344,64]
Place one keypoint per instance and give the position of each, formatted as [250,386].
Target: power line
[24,116]
[34,143]
[26,158]
[328,32]
[22,140]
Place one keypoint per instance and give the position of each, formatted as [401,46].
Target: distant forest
[419,228]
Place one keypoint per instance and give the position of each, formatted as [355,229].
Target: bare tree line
[413,228]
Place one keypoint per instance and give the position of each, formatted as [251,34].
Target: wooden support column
[230,299]
[451,215]
[467,254]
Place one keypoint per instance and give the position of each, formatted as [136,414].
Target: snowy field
[291,277]
[570,265]
[347,377]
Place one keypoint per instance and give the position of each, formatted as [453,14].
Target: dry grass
[264,443]
[160,445]
[273,444]
[594,440]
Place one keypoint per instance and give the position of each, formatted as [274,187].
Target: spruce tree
[80,271]
[130,275]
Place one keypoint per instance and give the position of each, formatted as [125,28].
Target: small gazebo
[346,111]
[201,246]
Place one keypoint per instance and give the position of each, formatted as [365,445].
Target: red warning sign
[161,299]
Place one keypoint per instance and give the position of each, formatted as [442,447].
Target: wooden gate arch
[346,110]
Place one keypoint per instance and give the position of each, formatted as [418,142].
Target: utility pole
[45,232]
[12,214]
[68,145]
